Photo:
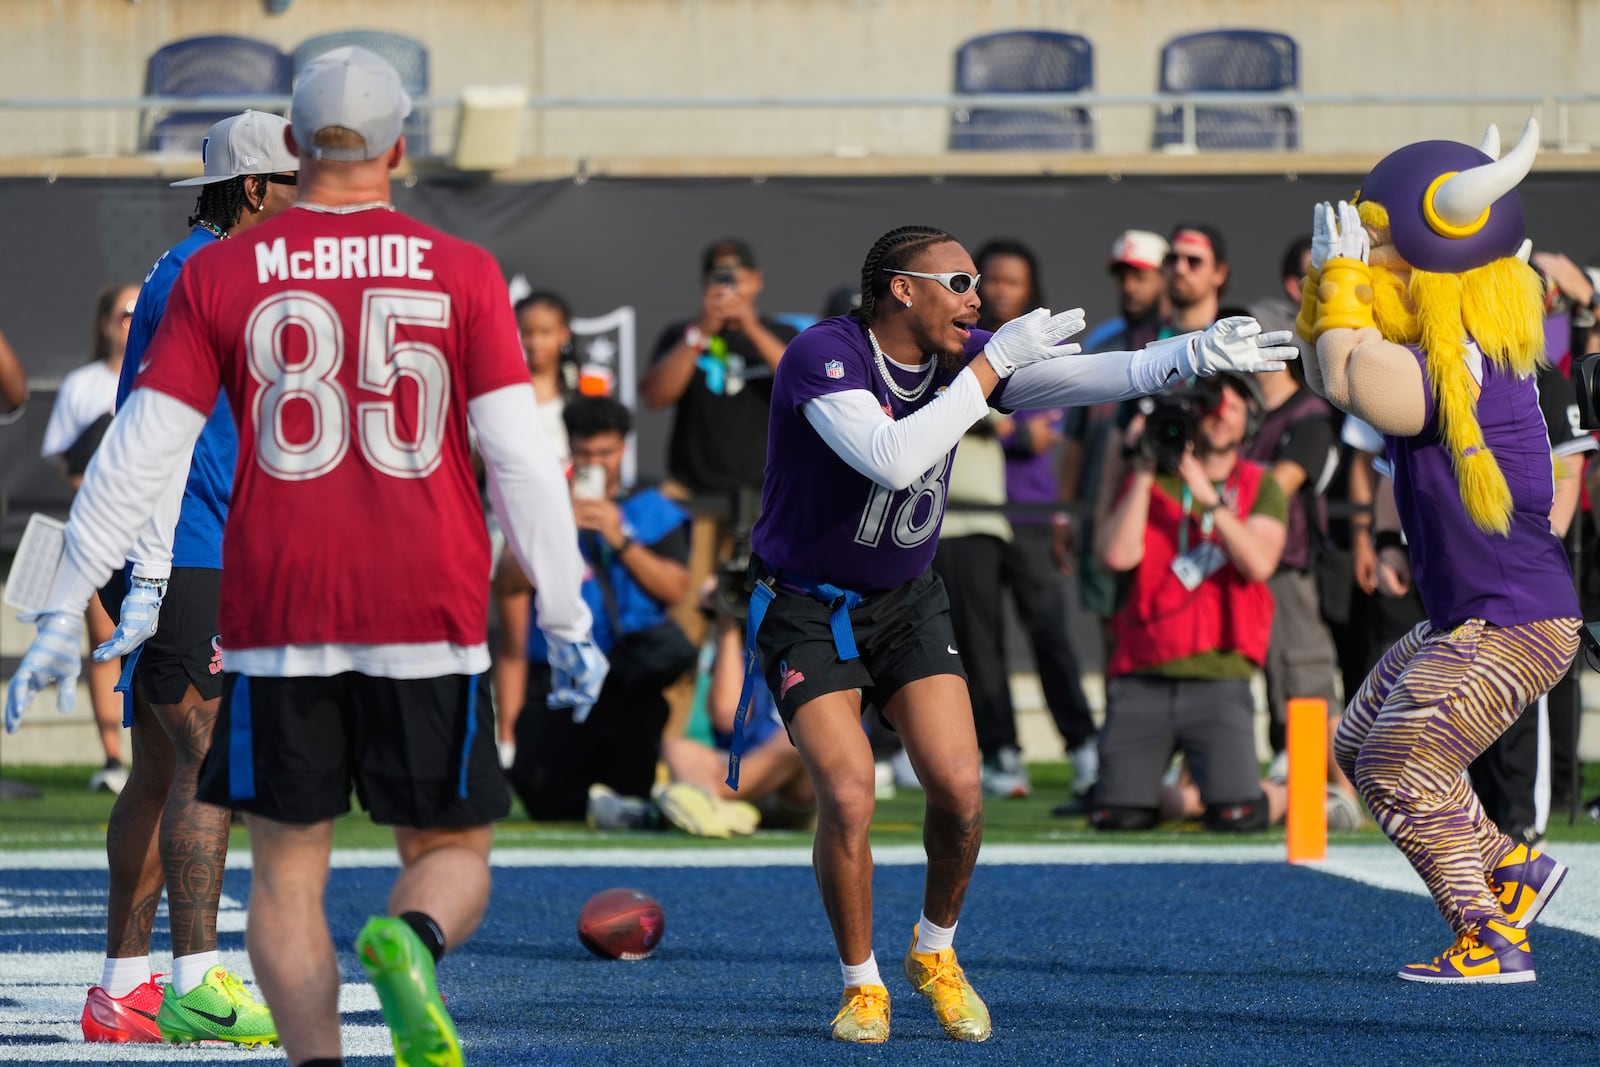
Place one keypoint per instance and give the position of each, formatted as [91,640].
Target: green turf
[67,815]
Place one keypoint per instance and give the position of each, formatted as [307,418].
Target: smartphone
[725,276]
[589,483]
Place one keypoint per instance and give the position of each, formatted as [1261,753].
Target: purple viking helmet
[1452,207]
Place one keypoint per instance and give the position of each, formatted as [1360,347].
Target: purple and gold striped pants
[1430,707]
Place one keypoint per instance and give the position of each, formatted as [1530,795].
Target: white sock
[931,938]
[122,975]
[859,974]
[190,971]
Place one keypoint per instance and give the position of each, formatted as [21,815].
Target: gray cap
[251,143]
[355,89]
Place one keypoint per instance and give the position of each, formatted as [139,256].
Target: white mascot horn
[1466,196]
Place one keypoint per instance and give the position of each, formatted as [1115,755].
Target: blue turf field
[1101,963]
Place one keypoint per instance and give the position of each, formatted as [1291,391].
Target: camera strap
[1207,521]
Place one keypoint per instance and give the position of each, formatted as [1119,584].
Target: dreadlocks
[895,250]
[220,203]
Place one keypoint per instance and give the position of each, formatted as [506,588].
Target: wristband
[1387,539]
[693,337]
[1344,297]
[627,543]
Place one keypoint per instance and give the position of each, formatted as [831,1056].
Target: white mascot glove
[577,671]
[1032,338]
[1324,228]
[1237,344]
[141,611]
[55,656]
[1352,241]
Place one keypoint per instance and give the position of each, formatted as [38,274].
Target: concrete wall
[821,47]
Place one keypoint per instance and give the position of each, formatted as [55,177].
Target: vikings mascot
[1427,324]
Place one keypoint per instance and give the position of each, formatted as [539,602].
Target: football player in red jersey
[353,344]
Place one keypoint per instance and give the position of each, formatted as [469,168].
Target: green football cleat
[218,1009]
[401,969]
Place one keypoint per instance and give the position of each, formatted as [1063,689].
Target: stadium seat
[409,57]
[1024,61]
[1231,61]
[208,66]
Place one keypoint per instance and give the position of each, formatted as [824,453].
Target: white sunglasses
[957,281]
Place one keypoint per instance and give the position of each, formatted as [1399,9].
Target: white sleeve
[152,549]
[1359,435]
[1075,380]
[63,426]
[895,452]
[149,441]
[530,498]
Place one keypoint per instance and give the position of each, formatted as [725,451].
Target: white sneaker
[1085,765]
[508,753]
[109,778]
[1005,776]
[610,810]
[905,776]
[883,780]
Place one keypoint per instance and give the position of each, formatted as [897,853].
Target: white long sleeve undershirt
[530,498]
[895,452]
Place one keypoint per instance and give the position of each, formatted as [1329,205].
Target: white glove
[1032,338]
[1237,344]
[54,656]
[1352,241]
[141,610]
[577,671]
[1324,228]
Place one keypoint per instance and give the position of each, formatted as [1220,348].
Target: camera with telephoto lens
[1169,421]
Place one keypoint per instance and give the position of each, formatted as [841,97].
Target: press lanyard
[1207,522]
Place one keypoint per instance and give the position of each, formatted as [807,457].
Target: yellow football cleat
[863,1015]
[937,976]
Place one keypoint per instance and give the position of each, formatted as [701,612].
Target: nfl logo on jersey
[834,368]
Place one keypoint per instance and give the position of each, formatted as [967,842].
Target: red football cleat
[123,1020]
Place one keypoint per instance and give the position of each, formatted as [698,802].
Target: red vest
[1162,621]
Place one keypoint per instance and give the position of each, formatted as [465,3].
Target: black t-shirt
[719,430]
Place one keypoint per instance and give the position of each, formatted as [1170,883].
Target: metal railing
[1316,130]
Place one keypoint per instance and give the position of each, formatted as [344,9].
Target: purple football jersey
[820,519]
[1460,571]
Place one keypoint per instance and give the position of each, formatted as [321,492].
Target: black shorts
[902,636]
[419,752]
[186,649]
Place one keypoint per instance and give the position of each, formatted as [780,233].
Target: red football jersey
[348,346]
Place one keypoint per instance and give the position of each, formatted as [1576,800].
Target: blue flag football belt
[840,603]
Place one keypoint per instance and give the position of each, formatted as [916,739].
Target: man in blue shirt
[158,833]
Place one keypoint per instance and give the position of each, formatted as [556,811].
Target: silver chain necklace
[910,396]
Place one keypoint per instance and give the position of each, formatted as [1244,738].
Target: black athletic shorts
[185,650]
[902,636]
[419,752]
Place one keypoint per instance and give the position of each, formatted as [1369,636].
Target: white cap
[352,88]
[1139,248]
[251,143]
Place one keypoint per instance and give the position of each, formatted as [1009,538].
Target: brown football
[621,924]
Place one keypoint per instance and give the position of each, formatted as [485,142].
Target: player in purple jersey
[866,413]
[1427,322]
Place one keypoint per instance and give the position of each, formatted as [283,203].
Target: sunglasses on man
[957,281]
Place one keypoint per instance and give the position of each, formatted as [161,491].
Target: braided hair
[895,250]
[220,203]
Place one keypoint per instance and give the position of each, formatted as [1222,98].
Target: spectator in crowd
[1295,441]
[544,322]
[1514,778]
[635,545]
[715,369]
[1136,265]
[13,382]
[1201,536]
[1011,285]
[1197,271]
[970,559]
[78,421]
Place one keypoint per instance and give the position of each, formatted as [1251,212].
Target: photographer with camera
[1201,530]
[634,545]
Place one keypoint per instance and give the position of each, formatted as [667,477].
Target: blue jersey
[198,539]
